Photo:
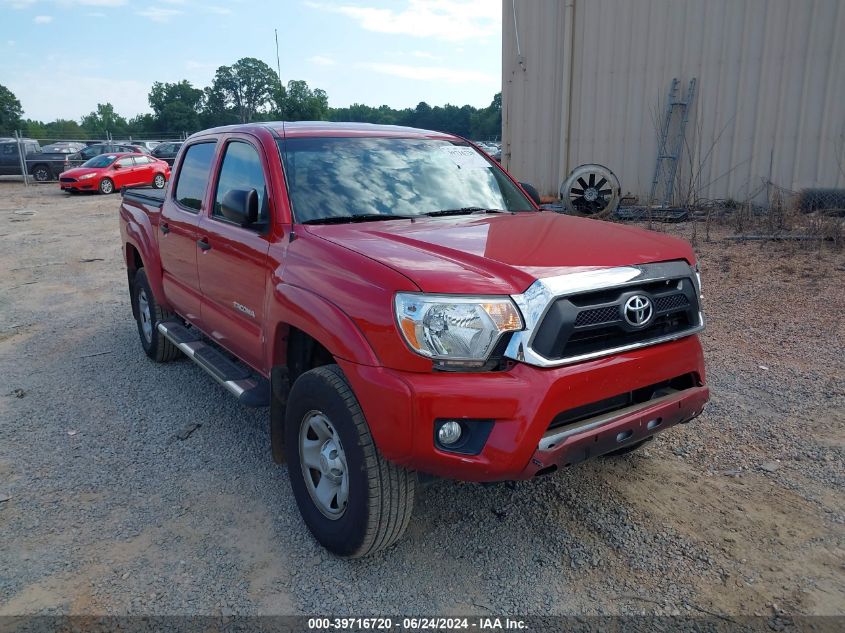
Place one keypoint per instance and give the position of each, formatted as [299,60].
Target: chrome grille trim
[535,302]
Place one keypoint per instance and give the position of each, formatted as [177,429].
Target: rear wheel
[353,500]
[159,181]
[41,173]
[148,315]
[106,186]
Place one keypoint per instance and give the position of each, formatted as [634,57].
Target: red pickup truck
[403,306]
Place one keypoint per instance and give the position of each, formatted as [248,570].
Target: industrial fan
[590,190]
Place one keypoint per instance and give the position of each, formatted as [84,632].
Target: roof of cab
[291,129]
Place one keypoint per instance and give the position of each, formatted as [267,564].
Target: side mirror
[532,193]
[240,206]
[117,166]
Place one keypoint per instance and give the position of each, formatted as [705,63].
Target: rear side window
[193,176]
[241,169]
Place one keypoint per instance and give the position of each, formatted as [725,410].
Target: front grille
[68,179]
[599,315]
[593,322]
[671,302]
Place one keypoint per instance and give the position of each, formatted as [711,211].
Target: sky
[62,57]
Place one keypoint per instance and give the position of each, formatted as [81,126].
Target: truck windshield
[330,179]
[103,160]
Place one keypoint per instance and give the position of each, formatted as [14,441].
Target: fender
[137,230]
[320,319]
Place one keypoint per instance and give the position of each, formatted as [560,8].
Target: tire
[106,186]
[41,173]
[380,495]
[159,181]
[148,315]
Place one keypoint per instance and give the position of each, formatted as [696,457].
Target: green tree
[487,123]
[301,103]
[10,111]
[176,106]
[104,120]
[245,88]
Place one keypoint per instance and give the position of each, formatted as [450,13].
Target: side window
[242,169]
[126,162]
[142,160]
[8,149]
[193,176]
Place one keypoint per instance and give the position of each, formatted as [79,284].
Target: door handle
[203,244]
[165,228]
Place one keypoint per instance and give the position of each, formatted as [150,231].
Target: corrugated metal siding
[770,100]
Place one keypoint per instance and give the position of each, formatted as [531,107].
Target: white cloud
[157,14]
[321,60]
[42,19]
[425,55]
[431,73]
[20,4]
[99,3]
[441,19]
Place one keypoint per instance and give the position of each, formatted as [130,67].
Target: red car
[109,172]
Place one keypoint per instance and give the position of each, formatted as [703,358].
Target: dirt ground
[104,508]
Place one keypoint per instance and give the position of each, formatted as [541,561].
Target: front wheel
[353,501]
[159,181]
[106,186]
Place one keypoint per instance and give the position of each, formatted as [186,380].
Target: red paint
[337,283]
[121,175]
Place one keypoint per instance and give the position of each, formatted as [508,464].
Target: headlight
[455,328]
[86,176]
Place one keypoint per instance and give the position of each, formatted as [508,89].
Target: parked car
[63,147]
[149,146]
[402,305]
[104,148]
[109,172]
[167,151]
[40,165]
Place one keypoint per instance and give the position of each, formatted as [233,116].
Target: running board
[250,390]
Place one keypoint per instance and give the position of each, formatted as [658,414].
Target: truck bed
[145,195]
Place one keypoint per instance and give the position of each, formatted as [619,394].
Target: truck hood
[500,254]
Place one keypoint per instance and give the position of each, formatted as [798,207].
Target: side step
[250,390]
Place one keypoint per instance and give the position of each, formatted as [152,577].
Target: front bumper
[80,185]
[401,408]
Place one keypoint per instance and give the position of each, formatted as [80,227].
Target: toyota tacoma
[404,308]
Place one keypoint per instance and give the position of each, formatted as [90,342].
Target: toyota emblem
[638,310]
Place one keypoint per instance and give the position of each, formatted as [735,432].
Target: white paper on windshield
[465,157]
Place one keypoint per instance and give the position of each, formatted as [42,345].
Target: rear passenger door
[143,173]
[9,162]
[177,237]
[232,265]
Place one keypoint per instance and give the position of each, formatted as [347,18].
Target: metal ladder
[668,153]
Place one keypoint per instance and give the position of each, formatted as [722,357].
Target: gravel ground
[130,487]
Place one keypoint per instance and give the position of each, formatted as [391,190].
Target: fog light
[449,433]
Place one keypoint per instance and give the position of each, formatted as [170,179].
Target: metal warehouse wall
[592,78]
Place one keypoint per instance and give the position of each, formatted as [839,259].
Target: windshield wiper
[366,217]
[462,211]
